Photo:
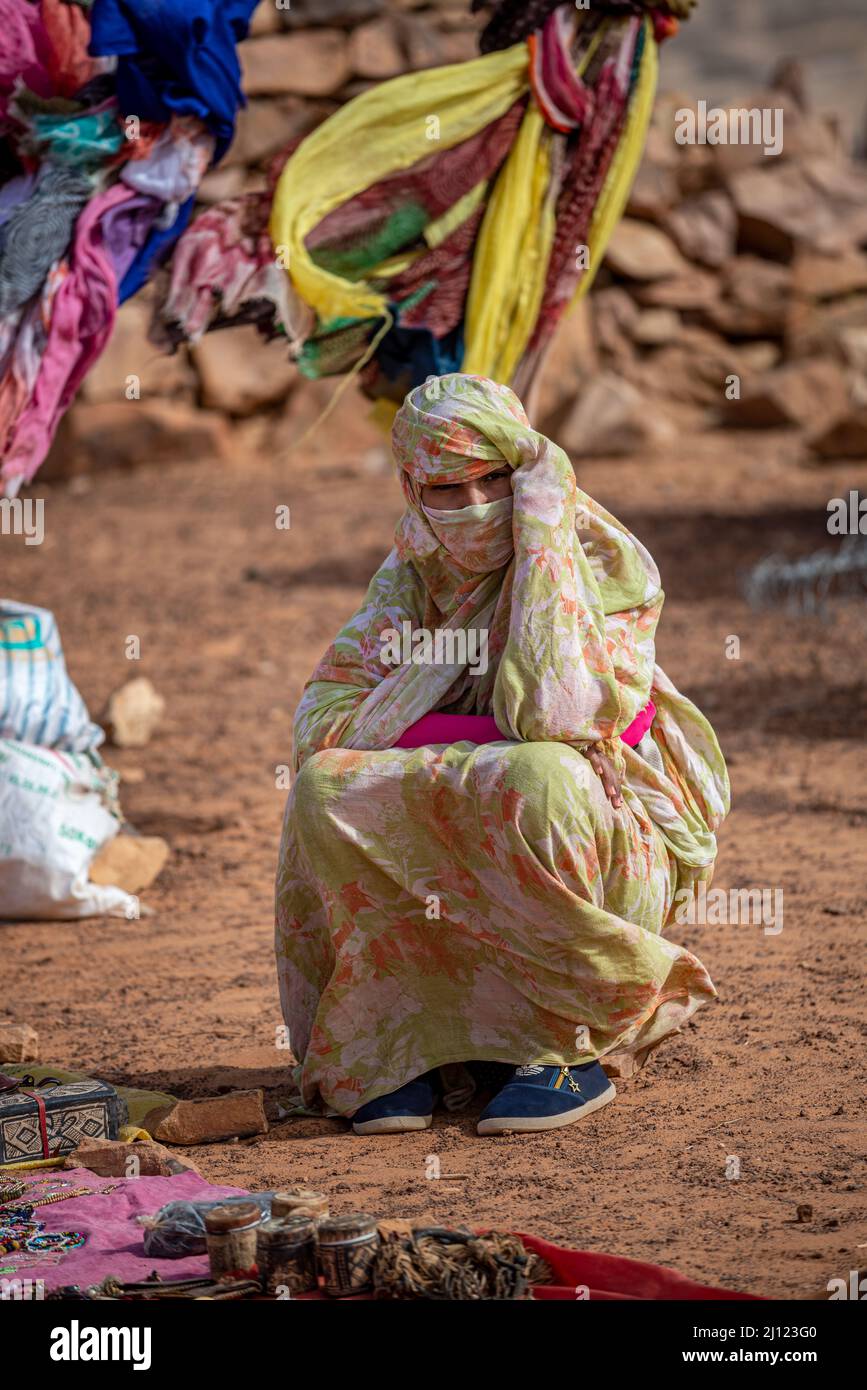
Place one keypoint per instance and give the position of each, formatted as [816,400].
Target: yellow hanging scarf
[393,127]
[511,259]
[514,246]
[389,128]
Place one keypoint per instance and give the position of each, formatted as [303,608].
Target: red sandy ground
[232,614]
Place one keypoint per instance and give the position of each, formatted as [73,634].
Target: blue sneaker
[410,1107]
[539,1097]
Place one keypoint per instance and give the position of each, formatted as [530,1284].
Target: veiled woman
[498,795]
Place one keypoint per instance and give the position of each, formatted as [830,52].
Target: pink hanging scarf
[82,317]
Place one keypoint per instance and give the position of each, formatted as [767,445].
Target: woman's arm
[344,696]
[578,661]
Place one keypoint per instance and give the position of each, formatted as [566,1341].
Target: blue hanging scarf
[175,57]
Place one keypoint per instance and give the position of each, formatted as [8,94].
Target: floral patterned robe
[486,902]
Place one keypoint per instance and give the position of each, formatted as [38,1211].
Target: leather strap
[43,1120]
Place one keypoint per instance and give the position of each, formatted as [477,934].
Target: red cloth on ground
[614,1277]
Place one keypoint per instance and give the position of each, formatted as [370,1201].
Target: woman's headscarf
[455,428]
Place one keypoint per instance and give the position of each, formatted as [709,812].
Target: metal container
[299,1201]
[347,1249]
[286,1255]
[230,1232]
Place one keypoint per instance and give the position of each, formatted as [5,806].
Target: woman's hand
[605,770]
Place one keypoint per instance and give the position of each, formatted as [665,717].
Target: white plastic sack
[38,702]
[57,810]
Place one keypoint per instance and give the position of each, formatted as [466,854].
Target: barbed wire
[805,586]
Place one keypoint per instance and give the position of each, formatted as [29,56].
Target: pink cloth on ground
[114,1242]
[481,728]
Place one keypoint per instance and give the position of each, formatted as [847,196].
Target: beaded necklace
[24,1238]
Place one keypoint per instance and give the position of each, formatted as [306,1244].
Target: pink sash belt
[480,728]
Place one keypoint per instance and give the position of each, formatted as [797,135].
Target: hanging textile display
[443,220]
[110,114]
